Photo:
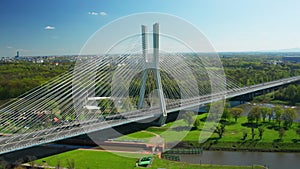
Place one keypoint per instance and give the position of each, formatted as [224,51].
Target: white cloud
[97,13]
[9,47]
[49,27]
[103,13]
[93,13]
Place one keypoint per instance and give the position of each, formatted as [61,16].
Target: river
[273,160]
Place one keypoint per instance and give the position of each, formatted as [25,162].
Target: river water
[269,159]
[273,160]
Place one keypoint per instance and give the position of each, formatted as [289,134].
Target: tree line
[291,94]
[279,118]
[18,78]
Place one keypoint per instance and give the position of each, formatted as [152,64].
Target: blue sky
[57,27]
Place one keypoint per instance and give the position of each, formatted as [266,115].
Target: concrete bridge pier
[154,64]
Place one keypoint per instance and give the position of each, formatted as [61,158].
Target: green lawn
[232,138]
[104,160]
[140,136]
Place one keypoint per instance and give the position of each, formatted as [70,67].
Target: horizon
[225,52]
[41,28]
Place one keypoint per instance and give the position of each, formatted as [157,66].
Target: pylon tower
[152,63]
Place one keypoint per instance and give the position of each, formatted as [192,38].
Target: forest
[250,70]
[20,77]
[242,69]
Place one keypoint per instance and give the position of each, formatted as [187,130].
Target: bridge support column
[162,102]
[155,65]
[144,74]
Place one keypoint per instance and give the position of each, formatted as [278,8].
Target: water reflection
[272,160]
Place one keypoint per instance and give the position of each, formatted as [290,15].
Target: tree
[188,117]
[298,131]
[260,132]
[270,114]
[291,93]
[264,112]
[254,114]
[245,134]
[252,133]
[288,116]
[281,133]
[215,110]
[298,94]
[236,113]
[57,164]
[226,114]
[220,130]
[278,113]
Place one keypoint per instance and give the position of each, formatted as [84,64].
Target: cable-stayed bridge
[134,81]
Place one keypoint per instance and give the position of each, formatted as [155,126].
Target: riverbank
[273,160]
[251,146]
[100,160]
[179,133]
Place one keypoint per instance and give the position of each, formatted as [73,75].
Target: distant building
[17,56]
[59,62]
[273,62]
[294,59]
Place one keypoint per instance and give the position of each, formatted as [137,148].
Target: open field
[84,159]
[232,138]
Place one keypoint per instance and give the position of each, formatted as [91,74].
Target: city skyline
[62,27]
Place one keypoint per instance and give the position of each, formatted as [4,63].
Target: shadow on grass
[228,123]
[277,140]
[249,141]
[255,125]
[296,140]
[215,139]
[182,128]
[194,128]
[276,128]
[273,127]
[242,140]
[211,141]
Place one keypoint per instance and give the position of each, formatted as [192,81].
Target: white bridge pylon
[154,64]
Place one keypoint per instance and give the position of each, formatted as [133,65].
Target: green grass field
[141,136]
[178,131]
[85,159]
[232,138]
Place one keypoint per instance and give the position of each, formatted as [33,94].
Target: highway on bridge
[13,142]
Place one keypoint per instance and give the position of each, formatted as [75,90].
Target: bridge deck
[13,142]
